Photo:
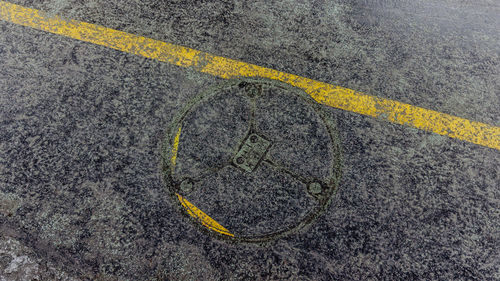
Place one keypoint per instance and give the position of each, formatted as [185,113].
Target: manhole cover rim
[310,217]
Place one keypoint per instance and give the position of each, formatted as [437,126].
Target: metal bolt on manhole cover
[252,160]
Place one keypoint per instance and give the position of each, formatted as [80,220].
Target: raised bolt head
[240,160]
[186,186]
[254,138]
[251,90]
[315,188]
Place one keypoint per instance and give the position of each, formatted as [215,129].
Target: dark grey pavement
[81,189]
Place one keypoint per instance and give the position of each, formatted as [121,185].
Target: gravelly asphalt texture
[81,189]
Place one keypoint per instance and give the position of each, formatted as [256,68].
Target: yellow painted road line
[191,209]
[203,218]
[175,148]
[331,95]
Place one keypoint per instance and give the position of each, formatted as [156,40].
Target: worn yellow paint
[175,148]
[202,217]
[331,95]
[190,208]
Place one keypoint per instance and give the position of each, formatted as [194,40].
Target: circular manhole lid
[252,160]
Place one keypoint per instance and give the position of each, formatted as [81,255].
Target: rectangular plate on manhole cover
[251,152]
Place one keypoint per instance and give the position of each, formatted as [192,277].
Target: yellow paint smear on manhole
[175,148]
[202,217]
[324,93]
[191,209]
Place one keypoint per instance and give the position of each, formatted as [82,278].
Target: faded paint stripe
[191,209]
[175,148]
[202,217]
[331,95]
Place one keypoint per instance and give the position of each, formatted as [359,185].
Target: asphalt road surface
[105,174]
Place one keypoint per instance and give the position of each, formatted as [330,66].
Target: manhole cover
[252,160]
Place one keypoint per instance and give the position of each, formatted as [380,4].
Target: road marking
[331,95]
[202,217]
[175,148]
[191,209]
